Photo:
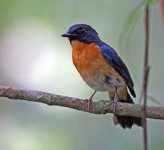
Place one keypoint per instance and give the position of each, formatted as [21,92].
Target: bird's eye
[82,31]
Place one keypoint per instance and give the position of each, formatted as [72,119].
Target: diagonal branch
[100,107]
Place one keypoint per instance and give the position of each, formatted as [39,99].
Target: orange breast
[93,67]
[87,58]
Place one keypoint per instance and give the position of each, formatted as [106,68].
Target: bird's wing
[112,58]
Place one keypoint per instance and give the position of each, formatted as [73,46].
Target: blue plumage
[102,69]
[112,57]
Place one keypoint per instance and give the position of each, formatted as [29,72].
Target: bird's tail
[127,121]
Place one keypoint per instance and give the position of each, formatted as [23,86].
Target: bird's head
[83,33]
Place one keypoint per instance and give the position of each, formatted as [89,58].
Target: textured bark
[100,107]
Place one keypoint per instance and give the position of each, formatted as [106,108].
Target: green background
[33,55]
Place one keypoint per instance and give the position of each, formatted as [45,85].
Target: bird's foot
[115,100]
[114,103]
[89,105]
[90,102]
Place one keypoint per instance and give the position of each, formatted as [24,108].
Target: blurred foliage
[133,19]
[34,56]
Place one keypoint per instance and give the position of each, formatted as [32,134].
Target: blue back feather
[112,57]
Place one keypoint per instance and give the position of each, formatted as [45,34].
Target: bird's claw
[90,102]
[89,105]
[115,100]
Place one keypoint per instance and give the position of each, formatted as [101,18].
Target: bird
[102,69]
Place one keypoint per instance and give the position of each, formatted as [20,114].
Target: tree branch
[100,107]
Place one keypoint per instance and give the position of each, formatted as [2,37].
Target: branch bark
[100,107]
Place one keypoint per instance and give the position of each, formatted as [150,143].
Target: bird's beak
[68,35]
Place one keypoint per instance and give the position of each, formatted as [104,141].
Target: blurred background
[33,55]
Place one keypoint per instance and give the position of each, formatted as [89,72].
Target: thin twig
[145,78]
